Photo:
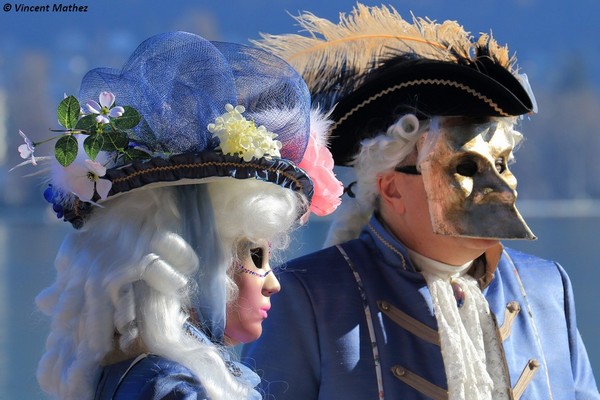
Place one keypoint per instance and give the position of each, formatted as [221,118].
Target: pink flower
[318,164]
[104,110]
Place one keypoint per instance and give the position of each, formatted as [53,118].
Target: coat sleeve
[287,355]
[583,377]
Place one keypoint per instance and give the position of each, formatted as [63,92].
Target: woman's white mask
[470,189]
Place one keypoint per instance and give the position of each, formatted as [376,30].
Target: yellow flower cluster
[239,136]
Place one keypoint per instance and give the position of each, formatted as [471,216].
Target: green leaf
[87,123]
[114,140]
[93,144]
[68,112]
[129,119]
[65,150]
[135,154]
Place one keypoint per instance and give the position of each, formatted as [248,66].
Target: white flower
[104,110]
[242,137]
[85,178]
[26,150]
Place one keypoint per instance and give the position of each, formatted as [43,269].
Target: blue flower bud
[49,194]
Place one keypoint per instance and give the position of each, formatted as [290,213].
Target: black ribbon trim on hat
[199,166]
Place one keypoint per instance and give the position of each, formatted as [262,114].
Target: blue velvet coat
[152,377]
[350,317]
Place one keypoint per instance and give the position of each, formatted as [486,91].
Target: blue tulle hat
[193,95]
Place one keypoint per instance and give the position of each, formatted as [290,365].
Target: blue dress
[153,377]
[356,322]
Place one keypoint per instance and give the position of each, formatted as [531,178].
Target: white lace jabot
[470,347]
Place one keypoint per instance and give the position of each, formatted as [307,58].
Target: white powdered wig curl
[377,155]
[129,274]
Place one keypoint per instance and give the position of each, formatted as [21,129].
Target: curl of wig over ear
[377,155]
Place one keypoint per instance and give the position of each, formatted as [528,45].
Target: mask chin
[490,221]
[470,189]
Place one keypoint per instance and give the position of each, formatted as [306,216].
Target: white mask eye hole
[258,256]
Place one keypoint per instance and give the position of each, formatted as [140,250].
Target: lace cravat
[470,347]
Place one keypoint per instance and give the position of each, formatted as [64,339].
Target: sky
[543,33]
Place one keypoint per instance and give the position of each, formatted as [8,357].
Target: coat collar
[394,253]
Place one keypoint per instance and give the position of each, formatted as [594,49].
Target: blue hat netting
[180,82]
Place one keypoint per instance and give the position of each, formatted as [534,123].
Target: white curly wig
[132,273]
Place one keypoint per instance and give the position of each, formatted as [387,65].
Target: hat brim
[426,88]
[194,168]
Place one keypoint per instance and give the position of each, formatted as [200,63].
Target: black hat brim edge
[427,88]
[194,168]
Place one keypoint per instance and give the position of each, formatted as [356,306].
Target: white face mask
[470,190]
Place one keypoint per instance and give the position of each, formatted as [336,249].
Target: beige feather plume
[368,36]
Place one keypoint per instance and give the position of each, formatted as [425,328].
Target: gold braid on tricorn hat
[373,65]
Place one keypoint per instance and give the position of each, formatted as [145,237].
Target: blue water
[28,246]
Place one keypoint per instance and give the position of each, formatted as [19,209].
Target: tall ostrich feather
[336,58]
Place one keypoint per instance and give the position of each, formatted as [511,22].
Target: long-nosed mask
[470,189]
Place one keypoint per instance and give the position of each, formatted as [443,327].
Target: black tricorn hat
[374,66]
[425,88]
